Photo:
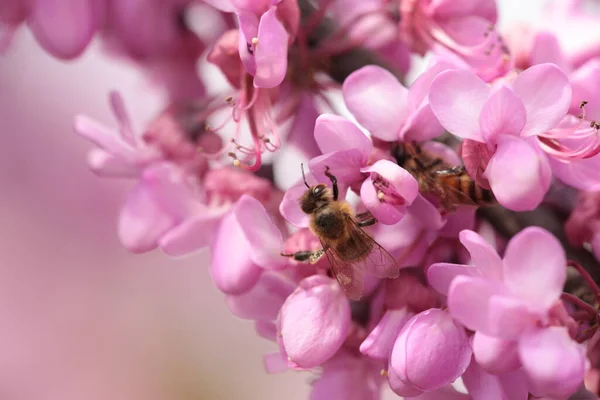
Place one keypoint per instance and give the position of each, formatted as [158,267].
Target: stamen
[383,372]
[255,41]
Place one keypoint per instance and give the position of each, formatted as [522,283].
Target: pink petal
[484,386]
[483,255]
[233,272]
[535,266]
[103,137]
[290,206]
[261,233]
[304,121]
[523,188]
[143,220]
[344,165]
[457,98]
[266,330]
[400,387]
[64,27]
[456,8]
[431,351]
[419,89]
[445,393]
[580,174]
[105,164]
[495,355]
[397,177]
[441,275]
[584,80]
[502,113]
[554,362]
[193,233]
[315,320]
[377,100]
[271,51]
[264,300]
[381,340]
[427,214]
[385,213]
[421,125]
[248,23]
[334,133]
[469,301]
[546,94]
[223,5]
[275,363]
[509,317]
[546,49]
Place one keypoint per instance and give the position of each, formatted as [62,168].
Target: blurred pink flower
[513,121]
[510,303]
[583,225]
[461,30]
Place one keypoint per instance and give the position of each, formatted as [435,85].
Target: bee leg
[303,256]
[364,215]
[334,183]
[368,222]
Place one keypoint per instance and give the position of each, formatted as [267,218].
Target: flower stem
[579,303]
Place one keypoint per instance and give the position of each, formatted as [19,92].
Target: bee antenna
[304,176]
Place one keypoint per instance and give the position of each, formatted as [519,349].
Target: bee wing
[463,198]
[349,276]
[378,261]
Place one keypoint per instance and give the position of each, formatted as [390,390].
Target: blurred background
[80,318]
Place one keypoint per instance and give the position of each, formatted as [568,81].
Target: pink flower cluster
[454,297]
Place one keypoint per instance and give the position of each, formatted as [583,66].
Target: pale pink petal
[223,5]
[456,98]
[248,23]
[419,89]
[386,213]
[483,255]
[535,266]
[290,206]
[271,51]
[495,355]
[264,300]
[441,275]
[143,220]
[275,363]
[102,137]
[426,213]
[232,271]
[519,189]
[381,340]
[546,94]
[377,100]
[315,320]
[193,233]
[253,6]
[584,81]
[106,164]
[304,121]
[335,133]
[431,351]
[457,8]
[263,235]
[580,174]
[64,27]
[421,125]
[266,330]
[469,301]
[484,386]
[553,361]
[445,393]
[502,114]
[546,49]
[509,317]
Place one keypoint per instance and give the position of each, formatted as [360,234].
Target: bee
[451,184]
[348,248]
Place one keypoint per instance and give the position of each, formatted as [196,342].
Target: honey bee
[451,184]
[349,250]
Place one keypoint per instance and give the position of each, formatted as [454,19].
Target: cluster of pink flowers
[462,300]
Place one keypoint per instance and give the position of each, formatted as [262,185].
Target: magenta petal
[334,133]
[431,351]
[519,189]
[271,51]
[263,301]
[399,179]
[233,272]
[535,266]
[502,113]
[64,27]
[381,340]
[469,301]
[315,320]
[456,98]
[483,255]
[377,100]
[555,364]
[546,94]
[494,354]
[261,233]
[400,387]
[248,23]
[441,275]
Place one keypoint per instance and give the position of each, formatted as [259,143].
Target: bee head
[315,197]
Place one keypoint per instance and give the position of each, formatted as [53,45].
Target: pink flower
[583,225]
[387,109]
[462,30]
[513,121]
[257,241]
[483,385]
[63,28]
[510,304]
[315,321]
[431,351]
